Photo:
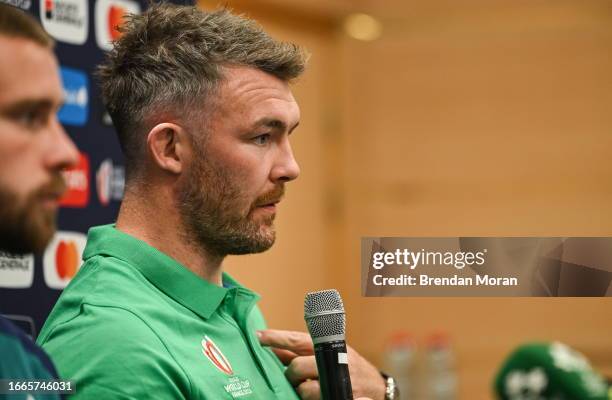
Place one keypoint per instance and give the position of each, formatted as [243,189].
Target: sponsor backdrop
[83,30]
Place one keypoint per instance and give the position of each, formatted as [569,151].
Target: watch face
[392,392]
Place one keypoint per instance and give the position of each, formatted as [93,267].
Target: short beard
[208,205]
[25,227]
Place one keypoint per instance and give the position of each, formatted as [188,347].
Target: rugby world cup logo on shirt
[216,357]
[66,20]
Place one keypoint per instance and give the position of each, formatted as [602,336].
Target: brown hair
[17,23]
[171,58]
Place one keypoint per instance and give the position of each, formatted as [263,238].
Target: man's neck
[163,229]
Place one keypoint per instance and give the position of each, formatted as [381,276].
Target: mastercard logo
[110,14]
[115,19]
[62,258]
[66,259]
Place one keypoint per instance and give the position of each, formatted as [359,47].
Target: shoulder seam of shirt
[153,331]
[42,339]
[100,259]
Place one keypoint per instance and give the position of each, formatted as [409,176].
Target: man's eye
[262,139]
[32,118]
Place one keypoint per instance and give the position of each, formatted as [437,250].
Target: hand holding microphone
[297,352]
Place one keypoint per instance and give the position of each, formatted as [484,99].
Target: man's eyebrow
[29,104]
[275,124]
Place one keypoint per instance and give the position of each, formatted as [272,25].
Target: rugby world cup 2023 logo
[216,357]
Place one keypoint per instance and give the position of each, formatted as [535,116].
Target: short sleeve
[111,353]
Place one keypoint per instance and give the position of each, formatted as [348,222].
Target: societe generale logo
[16,271]
[62,258]
[109,15]
[77,182]
[66,20]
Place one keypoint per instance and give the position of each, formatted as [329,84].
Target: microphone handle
[332,364]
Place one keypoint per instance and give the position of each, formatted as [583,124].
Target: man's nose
[61,150]
[286,167]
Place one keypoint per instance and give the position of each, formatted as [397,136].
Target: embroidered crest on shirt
[214,354]
[238,387]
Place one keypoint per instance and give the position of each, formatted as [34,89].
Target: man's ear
[169,146]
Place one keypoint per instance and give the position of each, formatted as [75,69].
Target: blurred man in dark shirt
[34,149]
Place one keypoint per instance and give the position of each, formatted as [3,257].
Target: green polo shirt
[136,324]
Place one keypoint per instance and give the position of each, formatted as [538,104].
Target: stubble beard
[212,208]
[25,226]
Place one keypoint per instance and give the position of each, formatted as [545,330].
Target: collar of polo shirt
[168,275]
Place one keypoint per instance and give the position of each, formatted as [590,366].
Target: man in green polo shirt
[137,324]
[202,106]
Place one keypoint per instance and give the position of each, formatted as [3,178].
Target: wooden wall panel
[486,122]
[489,118]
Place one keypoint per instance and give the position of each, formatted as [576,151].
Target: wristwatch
[392,391]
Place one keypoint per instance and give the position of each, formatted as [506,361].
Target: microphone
[549,371]
[324,315]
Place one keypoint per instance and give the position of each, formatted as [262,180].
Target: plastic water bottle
[440,377]
[401,363]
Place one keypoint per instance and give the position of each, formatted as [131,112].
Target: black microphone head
[324,315]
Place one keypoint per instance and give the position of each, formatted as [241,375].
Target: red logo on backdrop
[62,258]
[77,181]
[109,14]
[49,8]
[66,259]
[212,352]
[116,14]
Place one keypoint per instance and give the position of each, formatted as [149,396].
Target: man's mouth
[51,199]
[51,194]
[269,204]
[271,199]
[269,207]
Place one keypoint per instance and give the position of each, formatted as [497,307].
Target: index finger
[298,342]
[285,356]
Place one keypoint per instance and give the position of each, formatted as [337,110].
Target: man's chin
[25,226]
[258,243]
[44,235]
[27,238]
[41,232]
